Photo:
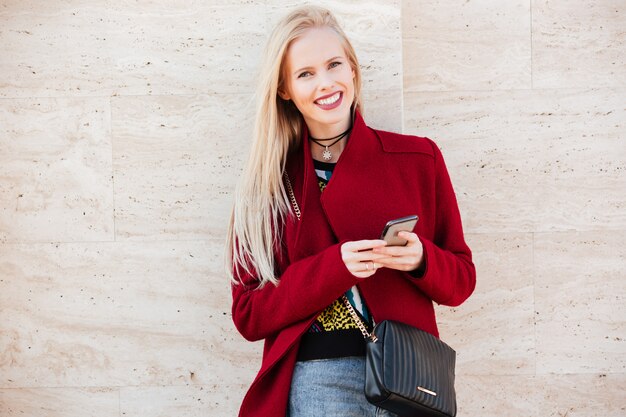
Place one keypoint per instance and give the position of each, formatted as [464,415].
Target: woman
[291,262]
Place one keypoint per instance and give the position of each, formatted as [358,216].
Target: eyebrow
[327,61]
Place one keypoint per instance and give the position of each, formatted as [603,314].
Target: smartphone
[393,227]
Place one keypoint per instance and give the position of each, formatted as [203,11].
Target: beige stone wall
[124,127]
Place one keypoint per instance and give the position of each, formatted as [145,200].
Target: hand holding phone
[393,227]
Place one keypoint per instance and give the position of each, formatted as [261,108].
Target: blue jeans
[331,388]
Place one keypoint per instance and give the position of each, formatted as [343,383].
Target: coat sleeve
[305,288]
[448,276]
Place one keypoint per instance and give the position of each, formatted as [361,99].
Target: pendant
[327,155]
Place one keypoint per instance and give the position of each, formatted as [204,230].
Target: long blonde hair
[261,203]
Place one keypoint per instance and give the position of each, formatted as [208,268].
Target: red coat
[380,176]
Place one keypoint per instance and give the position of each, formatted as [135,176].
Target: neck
[329,150]
[325,131]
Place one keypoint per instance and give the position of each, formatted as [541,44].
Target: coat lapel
[367,187]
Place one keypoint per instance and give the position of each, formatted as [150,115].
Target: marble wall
[523,97]
[123,131]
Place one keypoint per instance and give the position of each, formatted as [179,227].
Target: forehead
[313,48]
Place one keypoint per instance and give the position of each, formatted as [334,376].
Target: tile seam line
[514,232]
[48,242]
[532,82]
[539,89]
[538,232]
[111,136]
[402,115]
[540,374]
[534,275]
[209,384]
[203,93]
[110,387]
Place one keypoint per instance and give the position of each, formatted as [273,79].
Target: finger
[410,236]
[369,266]
[401,264]
[412,246]
[393,251]
[364,256]
[362,245]
[361,271]
[386,262]
[399,251]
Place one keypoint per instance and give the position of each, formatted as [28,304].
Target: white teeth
[329,100]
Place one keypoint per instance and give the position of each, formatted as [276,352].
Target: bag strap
[367,335]
[292,197]
[294,203]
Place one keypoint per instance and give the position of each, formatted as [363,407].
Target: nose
[326,80]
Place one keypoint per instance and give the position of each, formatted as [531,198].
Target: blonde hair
[261,204]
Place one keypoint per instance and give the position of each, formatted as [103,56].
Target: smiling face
[318,78]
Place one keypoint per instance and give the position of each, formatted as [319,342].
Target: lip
[330,106]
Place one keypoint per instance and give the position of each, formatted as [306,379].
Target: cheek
[348,77]
[301,92]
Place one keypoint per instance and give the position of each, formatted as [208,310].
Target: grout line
[117,387]
[402,127]
[221,239]
[72,242]
[534,274]
[200,93]
[551,374]
[543,232]
[112,168]
[513,90]
[532,83]
[209,384]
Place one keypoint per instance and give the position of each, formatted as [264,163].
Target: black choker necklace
[327,155]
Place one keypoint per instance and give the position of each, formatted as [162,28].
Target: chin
[336,117]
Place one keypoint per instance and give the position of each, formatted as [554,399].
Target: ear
[283,94]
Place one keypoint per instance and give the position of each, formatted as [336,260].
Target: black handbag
[407,371]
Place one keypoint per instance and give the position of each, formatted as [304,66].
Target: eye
[334,64]
[304,74]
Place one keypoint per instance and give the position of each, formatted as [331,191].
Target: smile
[330,102]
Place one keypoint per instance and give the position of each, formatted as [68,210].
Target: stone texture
[498,396]
[582,395]
[186,47]
[219,400]
[176,160]
[55,48]
[59,402]
[578,44]
[521,161]
[55,170]
[477,45]
[383,110]
[579,295]
[493,331]
[115,47]
[118,314]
